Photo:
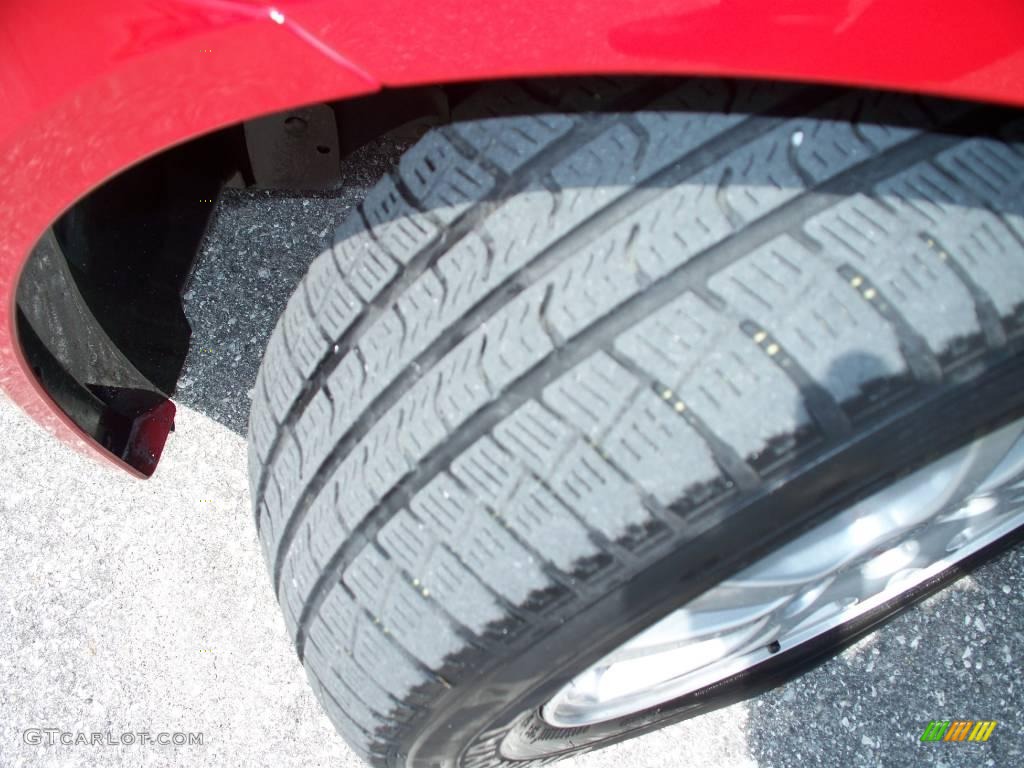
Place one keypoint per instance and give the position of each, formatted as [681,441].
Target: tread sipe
[546,345]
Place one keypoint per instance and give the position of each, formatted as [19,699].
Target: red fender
[90,87]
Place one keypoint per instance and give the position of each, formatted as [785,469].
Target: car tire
[562,372]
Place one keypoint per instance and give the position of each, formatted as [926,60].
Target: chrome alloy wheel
[866,555]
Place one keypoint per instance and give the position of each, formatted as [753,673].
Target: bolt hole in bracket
[297,150]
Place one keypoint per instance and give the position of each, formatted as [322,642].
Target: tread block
[333,304]
[669,343]
[551,529]
[534,436]
[309,432]
[453,585]
[282,382]
[487,471]
[513,142]
[490,551]
[660,451]
[443,182]
[600,494]
[592,395]
[414,619]
[821,320]
[894,252]
[744,398]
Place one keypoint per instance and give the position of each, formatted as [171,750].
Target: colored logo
[958,730]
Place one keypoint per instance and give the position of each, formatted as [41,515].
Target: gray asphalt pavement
[130,606]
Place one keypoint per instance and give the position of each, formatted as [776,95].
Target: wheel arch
[106,89]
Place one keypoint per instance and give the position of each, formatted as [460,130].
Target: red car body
[90,88]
